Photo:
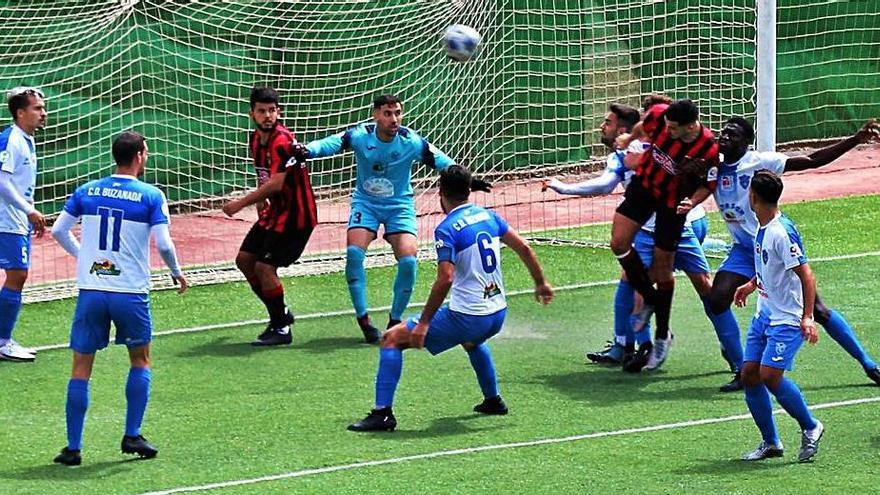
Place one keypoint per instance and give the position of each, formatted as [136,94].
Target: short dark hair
[655,99]
[683,112]
[627,116]
[767,186]
[263,95]
[20,98]
[386,100]
[746,127]
[455,183]
[126,146]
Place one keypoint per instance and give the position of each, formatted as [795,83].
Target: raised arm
[828,154]
[597,186]
[329,145]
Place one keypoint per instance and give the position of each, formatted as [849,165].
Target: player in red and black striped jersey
[677,171]
[287,214]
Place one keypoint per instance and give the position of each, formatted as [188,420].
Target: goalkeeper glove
[300,153]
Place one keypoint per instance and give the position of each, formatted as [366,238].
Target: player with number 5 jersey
[119,214]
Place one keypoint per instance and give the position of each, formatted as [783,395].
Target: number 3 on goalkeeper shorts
[106,232]
[487,254]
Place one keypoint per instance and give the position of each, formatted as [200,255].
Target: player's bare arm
[808,284]
[445,274]
[743,291]
[821,157]
[543,291]
[272,187]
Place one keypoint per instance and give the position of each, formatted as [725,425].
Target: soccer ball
[461,42]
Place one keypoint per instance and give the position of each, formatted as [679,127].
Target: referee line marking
[344,312]
[484,448]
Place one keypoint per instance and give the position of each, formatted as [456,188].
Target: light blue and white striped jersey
[778,249]
[384,170]
[117,213]
[732,192]
[470,237]
[18,156]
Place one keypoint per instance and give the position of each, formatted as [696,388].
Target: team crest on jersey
[726,183]
[105,267]
[765,256]
[491,290]
[744,181]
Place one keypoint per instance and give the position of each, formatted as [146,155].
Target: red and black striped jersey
[292,209]
[659,170]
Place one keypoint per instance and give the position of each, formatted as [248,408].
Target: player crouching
[468,243]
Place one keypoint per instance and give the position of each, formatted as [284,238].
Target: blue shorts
[773,346]
[701,228]
[397,219]
[15,251]
[689,256]
[95,309]
[740,260]
[450,328]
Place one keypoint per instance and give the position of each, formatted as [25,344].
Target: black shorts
[638,205]
[273,248]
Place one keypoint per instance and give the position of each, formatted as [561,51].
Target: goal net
[528,106]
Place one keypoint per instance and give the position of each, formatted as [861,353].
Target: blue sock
[137,393]
[10,305]
[388,375]
[77,405]
[484,367]
[642,336]
[727,331]
[623,308]
[839,330]
[758,400]
[403,285]
[792,400]
[356,277]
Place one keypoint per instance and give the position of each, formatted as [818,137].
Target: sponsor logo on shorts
[105,267]
[777,359]
[780,348]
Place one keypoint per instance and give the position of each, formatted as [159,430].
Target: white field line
[311,316]
[471,450]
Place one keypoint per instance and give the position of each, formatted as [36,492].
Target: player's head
[682,120]
[27,107]
[765,190]
[655,99]
[130,152]
[265,108]
[388,114]
[455,187]
[736,136]
[618,120]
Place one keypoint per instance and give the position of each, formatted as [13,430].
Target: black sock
[663,308]
[638,276]
[274,301]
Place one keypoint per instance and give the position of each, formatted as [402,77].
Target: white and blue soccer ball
[461,42]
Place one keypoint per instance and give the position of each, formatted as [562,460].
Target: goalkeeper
[385,152]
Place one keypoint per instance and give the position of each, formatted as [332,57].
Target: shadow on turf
[442,427]
[57,471]
[234,347]
[737,467]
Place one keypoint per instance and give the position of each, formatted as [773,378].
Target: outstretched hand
[300,153]
[869,132]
